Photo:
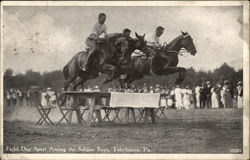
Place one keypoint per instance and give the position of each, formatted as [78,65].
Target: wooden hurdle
[95,98]
[94,108]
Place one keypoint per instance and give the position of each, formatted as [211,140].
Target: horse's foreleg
[111,71]
[76,82]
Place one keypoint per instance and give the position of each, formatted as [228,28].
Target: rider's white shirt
[153,40]
[100,30]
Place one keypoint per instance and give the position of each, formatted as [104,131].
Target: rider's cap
[239,83]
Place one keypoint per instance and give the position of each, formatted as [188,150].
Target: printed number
[235,150]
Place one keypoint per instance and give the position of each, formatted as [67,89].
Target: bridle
[183,50]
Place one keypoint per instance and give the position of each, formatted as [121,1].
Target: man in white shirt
[154,43]
[99,31]
[153,40]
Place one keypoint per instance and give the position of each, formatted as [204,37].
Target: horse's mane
[112,37]
[173,42]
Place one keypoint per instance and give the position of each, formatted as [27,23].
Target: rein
[179,53]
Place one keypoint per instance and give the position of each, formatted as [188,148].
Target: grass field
[184,131]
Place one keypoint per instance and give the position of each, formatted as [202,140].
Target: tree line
[55,79]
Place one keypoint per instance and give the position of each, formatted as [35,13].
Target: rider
[126,32]
[154,43]
[99,30]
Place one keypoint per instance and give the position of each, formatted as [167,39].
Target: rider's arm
[105,30]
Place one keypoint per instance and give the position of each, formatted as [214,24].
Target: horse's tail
[66,71]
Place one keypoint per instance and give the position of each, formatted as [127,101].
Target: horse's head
[187,43]
[141,43]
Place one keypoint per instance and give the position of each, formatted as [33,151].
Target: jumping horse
[113,54]
[141,65]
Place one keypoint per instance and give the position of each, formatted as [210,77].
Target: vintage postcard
[124,80]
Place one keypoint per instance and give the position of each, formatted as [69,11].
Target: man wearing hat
[239,95]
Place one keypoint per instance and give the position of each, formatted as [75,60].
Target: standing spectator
[14,97]
[28,101]
[215,101]
[44,98]
[197,95]
[172,97]
[240,95]
[226,96]
[18,92]
[219,88]
[187,93]
[178,97]
[208,94]
[202,96]
[8,98]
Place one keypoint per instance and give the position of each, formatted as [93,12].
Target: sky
[46,38]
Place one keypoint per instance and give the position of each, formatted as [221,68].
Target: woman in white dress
[187,93]
[197,95]
[240,95]
[215,101]
[178,97]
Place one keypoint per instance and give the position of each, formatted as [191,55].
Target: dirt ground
[184,131]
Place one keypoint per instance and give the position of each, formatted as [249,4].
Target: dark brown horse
[111,59]
[141,65]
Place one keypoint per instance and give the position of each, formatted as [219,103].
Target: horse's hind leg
[172,69]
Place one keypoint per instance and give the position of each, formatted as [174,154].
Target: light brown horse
[141,65]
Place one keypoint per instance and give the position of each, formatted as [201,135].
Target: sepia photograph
[124,80]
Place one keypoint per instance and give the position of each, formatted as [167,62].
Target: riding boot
[85,66]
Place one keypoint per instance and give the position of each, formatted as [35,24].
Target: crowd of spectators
[203,95]
[19,97]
